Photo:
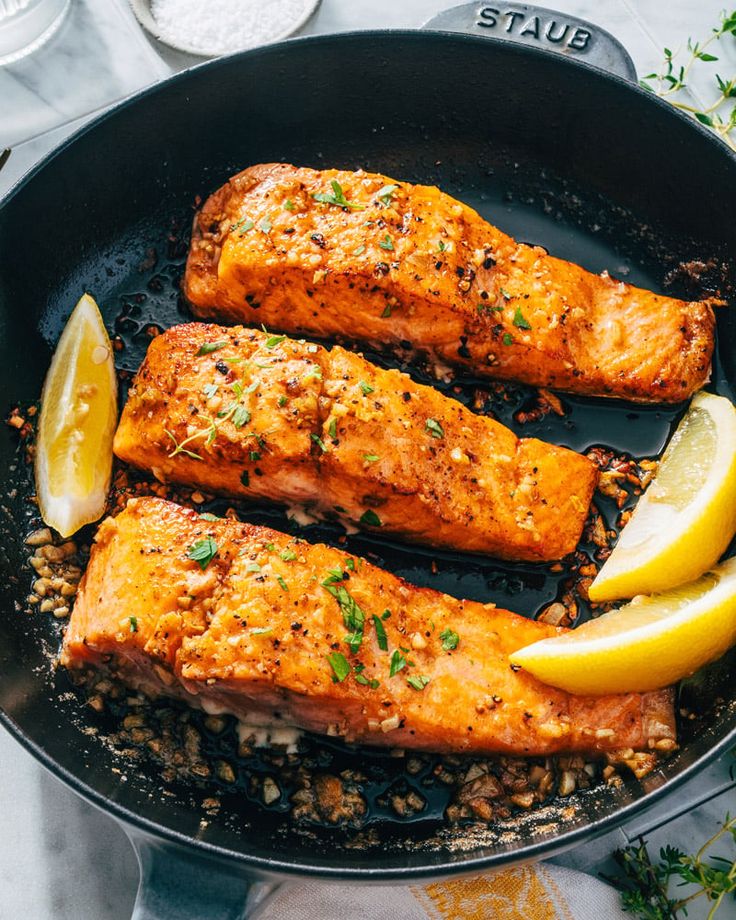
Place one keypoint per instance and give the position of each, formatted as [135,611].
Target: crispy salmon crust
[253,631]
[238,412]
[408,266]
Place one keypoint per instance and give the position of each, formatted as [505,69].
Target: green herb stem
[671,79]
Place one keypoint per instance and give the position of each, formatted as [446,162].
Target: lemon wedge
[685,520]
[77,424]
[649,643]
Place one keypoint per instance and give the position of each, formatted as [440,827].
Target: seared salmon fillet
[239,412]
[364,257]
[275,630]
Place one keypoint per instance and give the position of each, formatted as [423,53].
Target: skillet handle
[176,884]
[525,24]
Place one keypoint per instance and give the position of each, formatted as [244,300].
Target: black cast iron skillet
[549,148]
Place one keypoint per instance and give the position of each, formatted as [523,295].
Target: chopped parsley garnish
[353,640]
[520,320]
[353,615]
[289,205]
[441,247]
[381,637]
[337,198]
[386,614]
[283,400]
[386,312]
[207,516]
[265,225]
[359,250]
[371,458]
[243,225]
[245,478]
[274,340]
[209,347]
[397,663]
[366,388]
[203,552]
[340,667]
[434,428]
[507,339]
[487,308]
[333,578]
[332,428]
[319,442]
[450,639]
[418,681]
[280,580]
[252,567]
[254,455]
[370,518]
[209,390]
[288,555]
[350,564]
[504,293]
[241,416]
[386,193]
[133,624]
[363,680]
[386,243]
[270,547]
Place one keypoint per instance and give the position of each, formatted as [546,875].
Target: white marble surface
[99,54]
[60,859]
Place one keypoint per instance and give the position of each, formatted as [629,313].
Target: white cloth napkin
[540,892]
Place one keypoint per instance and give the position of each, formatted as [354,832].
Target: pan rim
[446,866]
[375,34]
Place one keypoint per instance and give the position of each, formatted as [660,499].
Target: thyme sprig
[337,198]
[239,415]
[209,433]
[673,76]
[644,884]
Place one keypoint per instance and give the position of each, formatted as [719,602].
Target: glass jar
[26,24]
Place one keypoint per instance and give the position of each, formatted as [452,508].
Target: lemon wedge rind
[77,422]
[648,644]
[670,541]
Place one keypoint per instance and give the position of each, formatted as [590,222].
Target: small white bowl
[142,10]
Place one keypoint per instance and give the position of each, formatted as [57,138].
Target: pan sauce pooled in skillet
[363,257]
[271,628]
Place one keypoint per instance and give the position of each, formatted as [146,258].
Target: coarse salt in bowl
[211,28]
